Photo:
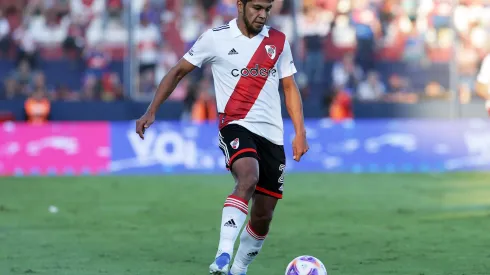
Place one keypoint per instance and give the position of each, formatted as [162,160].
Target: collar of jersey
[236,31]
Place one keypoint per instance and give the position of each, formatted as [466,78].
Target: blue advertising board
[371,146]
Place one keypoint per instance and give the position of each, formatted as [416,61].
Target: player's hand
[300,146]
[144,122]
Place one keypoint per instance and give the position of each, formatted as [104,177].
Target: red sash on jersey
[248,88]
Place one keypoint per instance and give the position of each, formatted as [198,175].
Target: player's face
[255,14]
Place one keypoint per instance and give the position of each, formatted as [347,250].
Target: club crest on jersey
[271,51]
[235,143]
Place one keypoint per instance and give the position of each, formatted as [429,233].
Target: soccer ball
[306,265]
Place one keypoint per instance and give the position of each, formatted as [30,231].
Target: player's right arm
[483,79]
[202,52]
[169,83]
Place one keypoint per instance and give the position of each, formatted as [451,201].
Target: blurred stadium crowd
[369,50]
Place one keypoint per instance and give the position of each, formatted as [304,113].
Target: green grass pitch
[356,224]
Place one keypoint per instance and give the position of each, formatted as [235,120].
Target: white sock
[234,215]
[250,246]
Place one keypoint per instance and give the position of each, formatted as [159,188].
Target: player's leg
[239,150]
[268,191]
[253,236]
[246,173]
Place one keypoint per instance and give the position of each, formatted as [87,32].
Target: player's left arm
[294,103]
[294,106]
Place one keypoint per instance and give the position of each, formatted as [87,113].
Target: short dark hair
[246,1]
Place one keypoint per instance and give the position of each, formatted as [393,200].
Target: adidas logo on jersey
[230,223]
[232,52]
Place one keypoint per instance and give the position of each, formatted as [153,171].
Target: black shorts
[237,142]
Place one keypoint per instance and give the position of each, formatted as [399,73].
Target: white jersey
[484,75]
[246,74]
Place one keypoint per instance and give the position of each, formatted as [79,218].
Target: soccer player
[483,82]
[248,61]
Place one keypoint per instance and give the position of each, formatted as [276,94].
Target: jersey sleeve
[285,64]
[484,74]
[202,51]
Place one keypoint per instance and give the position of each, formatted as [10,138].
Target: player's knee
[246,173]
[250,179]
[248,182]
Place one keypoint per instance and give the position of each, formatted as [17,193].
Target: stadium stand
[371,50]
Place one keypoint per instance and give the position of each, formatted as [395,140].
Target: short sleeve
[286,65]
[202,51]
[484,74]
